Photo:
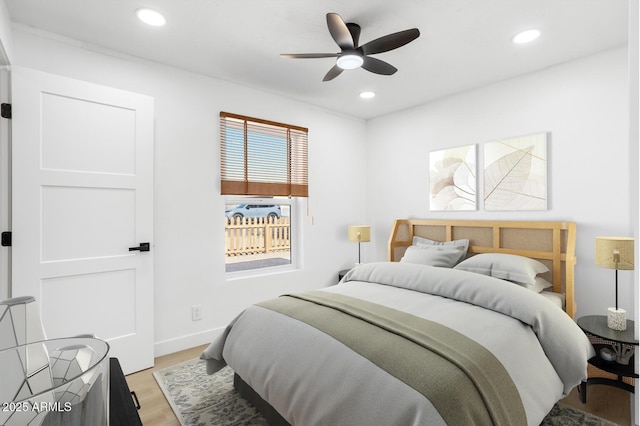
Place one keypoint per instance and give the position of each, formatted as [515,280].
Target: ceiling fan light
[526,36]
[151,17]
[349,61]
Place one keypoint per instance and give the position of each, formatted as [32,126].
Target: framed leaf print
[452,177]
[515,173]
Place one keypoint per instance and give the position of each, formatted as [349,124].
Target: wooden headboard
[552,243]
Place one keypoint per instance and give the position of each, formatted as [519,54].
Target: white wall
[189,252]
[583,104]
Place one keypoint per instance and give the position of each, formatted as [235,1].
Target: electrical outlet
[196,312]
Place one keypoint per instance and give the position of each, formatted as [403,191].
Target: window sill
[261,272]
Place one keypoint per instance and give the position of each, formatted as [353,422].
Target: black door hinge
[5,110]
[6,239]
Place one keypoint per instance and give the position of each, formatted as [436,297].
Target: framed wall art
[452,178]
[515,173]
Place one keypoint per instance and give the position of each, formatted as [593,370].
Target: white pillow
[508,267]
[538,286]
[443,257]
[461,245]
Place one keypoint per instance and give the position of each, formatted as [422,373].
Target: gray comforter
[311,379]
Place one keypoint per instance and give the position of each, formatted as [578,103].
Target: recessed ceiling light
[151,17]
[349,61]
[526,36]
[367,95]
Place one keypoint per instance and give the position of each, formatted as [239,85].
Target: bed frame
[552,243]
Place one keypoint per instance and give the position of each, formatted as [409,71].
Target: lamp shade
[360,233]
[615,252]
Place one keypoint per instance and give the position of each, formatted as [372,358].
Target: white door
[82,196]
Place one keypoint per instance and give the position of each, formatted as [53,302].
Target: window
[263,171]
[258,233]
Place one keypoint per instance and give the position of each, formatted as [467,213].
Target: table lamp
[359,234]
[615,253]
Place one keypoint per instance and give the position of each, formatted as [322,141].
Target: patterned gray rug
[199,399]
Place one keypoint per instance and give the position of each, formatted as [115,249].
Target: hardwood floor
[607,402]
[154,408]
[604,401]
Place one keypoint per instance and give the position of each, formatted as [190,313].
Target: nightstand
[342,273]
[609,373]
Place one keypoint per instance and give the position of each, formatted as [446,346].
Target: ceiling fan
[351,55]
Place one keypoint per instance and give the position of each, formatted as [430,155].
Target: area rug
[199,399]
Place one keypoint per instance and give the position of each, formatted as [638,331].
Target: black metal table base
[603,381]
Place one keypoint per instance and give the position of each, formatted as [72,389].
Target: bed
[468,322]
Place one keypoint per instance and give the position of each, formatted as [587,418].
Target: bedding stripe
[463,380]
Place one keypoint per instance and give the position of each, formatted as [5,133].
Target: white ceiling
[463,43]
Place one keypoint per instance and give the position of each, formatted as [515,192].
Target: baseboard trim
[181,343]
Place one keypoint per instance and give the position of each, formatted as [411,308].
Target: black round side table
[603,337]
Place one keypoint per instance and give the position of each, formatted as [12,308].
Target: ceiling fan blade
[309,55]
[339,31]
[377,66]
[354,29]
[333,73]
[390,42]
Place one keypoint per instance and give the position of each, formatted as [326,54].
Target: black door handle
[141,247]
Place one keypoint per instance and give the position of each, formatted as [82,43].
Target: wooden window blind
[260,157]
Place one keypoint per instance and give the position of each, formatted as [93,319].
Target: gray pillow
[461,245]
[443,257]
[508,267]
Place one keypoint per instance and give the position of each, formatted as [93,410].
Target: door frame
[5,182]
